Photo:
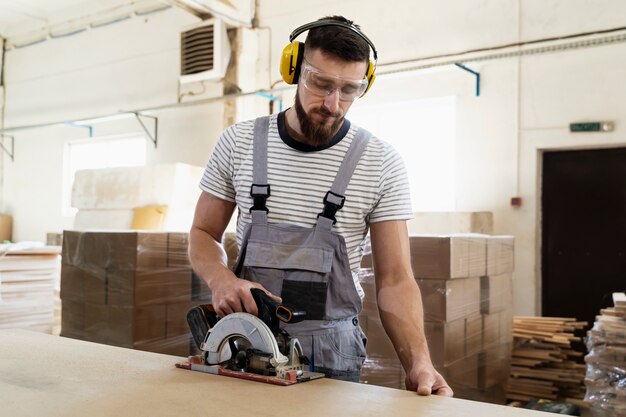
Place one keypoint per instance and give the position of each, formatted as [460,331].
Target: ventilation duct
[204,52]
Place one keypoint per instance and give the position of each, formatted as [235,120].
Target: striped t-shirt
[300,175]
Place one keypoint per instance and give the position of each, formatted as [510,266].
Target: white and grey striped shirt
[300,175]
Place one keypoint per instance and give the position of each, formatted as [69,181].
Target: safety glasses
[323,84]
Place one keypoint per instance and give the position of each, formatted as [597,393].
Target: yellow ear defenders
[293,53]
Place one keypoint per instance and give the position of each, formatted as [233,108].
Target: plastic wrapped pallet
[605,379]
[468,314]
[129,289]
[27,281]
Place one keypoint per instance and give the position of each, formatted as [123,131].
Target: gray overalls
[308,267]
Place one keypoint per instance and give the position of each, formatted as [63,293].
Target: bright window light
[423,132]
[110,152]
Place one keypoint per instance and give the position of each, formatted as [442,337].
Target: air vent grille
[197,48]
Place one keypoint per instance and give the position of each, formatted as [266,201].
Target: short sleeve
[218,175]
[394,191]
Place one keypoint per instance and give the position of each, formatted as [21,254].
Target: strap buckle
[332,203]
[259,194]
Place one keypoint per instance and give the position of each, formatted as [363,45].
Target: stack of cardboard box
[129,289]
[465,281]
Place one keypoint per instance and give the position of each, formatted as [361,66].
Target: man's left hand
[424,379]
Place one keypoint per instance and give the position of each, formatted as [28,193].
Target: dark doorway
[583,231]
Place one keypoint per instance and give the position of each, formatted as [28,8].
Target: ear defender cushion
[370,76]
[291,62]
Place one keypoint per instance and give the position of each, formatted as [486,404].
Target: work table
[43,375]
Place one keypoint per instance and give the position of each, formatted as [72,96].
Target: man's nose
[331,101]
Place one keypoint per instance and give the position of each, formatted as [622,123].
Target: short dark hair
[338,41]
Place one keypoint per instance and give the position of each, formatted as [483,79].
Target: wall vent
[204,52]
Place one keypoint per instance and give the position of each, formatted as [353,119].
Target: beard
[318,133]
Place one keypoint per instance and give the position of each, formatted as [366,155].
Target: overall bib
[308,267]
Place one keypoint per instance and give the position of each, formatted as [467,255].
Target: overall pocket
[298,273]
[341,354]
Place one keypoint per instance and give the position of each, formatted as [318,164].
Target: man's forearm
[401,313]
[206,255]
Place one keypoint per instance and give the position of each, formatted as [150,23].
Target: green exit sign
[591,127]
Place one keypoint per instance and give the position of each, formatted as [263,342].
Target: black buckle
[331,208]
[259,197]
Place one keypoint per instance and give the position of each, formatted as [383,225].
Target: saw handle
[270,310]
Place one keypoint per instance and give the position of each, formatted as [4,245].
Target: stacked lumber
[544,363]
[606,360]
[27,280]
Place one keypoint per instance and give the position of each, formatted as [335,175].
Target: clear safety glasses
[323,84]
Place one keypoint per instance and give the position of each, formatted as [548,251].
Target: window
[423,132]
[92,153]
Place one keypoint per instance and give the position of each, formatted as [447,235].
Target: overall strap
[335,198]
[260,189]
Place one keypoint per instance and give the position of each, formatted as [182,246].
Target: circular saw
[246,346]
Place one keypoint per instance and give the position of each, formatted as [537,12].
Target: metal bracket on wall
[152,135]
[477,74]
[271,97]
[88,127]
[11,152]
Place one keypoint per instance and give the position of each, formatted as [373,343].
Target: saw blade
[258,336]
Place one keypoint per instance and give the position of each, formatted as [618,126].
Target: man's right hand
[232,295]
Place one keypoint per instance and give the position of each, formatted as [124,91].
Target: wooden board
[43,375]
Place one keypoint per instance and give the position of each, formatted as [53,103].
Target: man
[300,241]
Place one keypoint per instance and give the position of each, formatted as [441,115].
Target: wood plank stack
[606,360]
[544,363]
[27,280]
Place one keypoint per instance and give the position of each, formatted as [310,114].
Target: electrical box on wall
[204,52]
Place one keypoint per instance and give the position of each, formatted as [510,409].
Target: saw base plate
[218,370]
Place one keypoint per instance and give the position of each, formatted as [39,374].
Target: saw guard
[243,325]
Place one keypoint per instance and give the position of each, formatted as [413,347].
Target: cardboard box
[463,373]
[473,335]
[181,345]
[477,261]
[73,319]
[6,227]
[496,293]
[145,287]
[231,248]
[127,326]
[446,341]
[124,268]
[500,254]
[83,284]
[448,300]
[177,318]
[383,372]
[151,217]
[177,250]
[126,287]
[496,365]
[448,256]
[122,250]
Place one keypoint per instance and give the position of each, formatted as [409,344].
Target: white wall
[525,104]
[129,65]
